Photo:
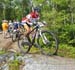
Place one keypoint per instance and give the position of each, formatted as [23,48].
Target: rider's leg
[28,29]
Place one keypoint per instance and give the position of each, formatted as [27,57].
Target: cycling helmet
[36,9]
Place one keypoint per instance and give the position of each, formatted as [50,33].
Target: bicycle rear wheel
[21,29]
[24,46]
[48,43]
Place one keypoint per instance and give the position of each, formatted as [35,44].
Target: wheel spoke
[24,46]
[48,43]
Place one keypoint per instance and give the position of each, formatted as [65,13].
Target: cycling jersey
[15,24]
[5,26]
[32,17]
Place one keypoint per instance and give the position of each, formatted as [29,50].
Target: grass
[34,50]
[2,52]
[14,65]
[66,51]
[63,51]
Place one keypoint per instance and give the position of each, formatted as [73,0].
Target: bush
[66,50]
[14,65]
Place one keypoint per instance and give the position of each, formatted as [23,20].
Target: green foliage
[2,52]
[66,50]
[14,65]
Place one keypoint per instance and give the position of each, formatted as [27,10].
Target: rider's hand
[34,23]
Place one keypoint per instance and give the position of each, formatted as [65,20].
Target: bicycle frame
[33,40]
[36,30]
[39,40]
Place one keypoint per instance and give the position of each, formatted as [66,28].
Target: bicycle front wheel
[48,43]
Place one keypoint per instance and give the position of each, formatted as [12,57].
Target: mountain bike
[16,32]
[45,40]
[10,31]
[14,35]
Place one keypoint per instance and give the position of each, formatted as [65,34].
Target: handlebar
[40,24]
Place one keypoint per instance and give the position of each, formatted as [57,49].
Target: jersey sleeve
[28,16]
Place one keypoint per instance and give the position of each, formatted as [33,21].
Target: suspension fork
[34,35]
[44,39]
[40,34]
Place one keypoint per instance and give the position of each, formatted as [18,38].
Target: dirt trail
[8,44]
[4,42]
[38,61]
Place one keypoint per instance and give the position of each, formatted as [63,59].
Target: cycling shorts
[29,25]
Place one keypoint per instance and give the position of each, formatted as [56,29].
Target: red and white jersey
[33,16]
[24,19]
